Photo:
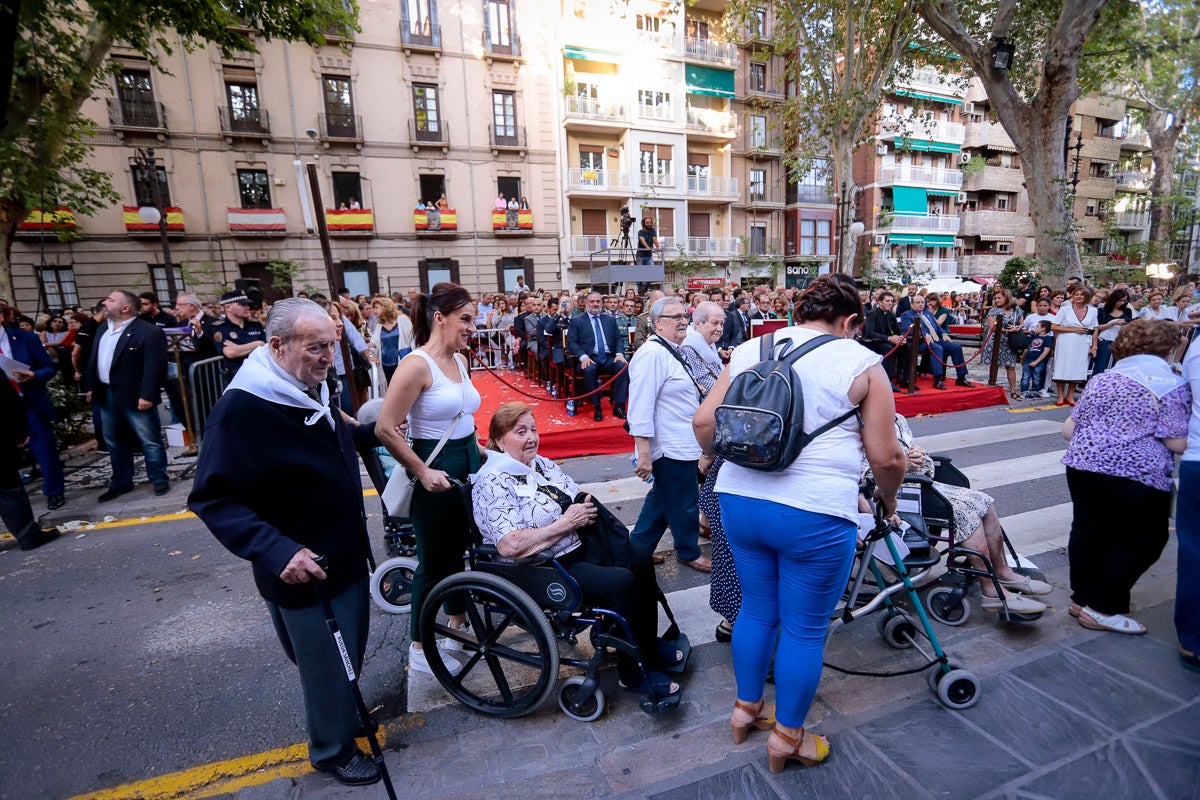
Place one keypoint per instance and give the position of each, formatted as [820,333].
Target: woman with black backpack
[792,530]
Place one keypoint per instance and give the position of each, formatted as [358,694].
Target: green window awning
[904,238]
[927,145]
[937,241]
[910,200]
[954,101]
[590,54]
[709,81]
[941,192]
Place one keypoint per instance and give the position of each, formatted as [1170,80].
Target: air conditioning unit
[963,158]
[962,198]
[968,108]
[880,238]
[959,243]
[881,149]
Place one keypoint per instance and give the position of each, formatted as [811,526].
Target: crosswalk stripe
[990,434]
[1034,532]
[1015,470]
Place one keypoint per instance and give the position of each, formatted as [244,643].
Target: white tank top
[824,479]
[435,407]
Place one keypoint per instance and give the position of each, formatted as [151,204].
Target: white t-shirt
[437,405]
[824,479]
[1191,373]
[1033,319]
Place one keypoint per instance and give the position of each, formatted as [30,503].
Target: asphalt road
[137,651]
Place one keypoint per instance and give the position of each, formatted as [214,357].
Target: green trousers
[441,521]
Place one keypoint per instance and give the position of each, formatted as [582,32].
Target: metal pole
[149,170]
[914,354]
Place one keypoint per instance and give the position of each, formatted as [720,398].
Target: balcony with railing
[983,263]
[350,221]
[433,223]
[135,224]
[256,221]
[597,181]
[657,180]
[756,89]
[659,40]
[763,197]
[906,222]
[939,177]
[499,51]
[995,222]
[995,179]
[1133,221]
[929,80]
[941,267]
[250,122]
[935,130]
[59,221]
[990,135]
[710,51]
[658,111]
[712,186]
[425,39]
[595,109]
[758,145]
[711,122]
[811,194]
[429,134]
[1136,138]
[512,222]
[507,138]
[128,115]
[340,127]
[707,247]
[584,246]
[1133,180]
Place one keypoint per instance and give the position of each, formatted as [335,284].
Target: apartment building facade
[431,99]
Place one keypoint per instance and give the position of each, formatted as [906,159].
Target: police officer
[238,334]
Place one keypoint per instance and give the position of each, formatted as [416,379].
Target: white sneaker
[418,663]
[1045,392]
[452,645]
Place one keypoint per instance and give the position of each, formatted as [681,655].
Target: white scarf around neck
[261,376]
[1152,372]
[702,346]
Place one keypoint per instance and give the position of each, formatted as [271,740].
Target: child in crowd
[1037,356]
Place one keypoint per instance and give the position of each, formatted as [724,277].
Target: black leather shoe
[598,415]
[40,538]
[55,501]
[939,384]
[113,494]
[619,412]
[161,489]
[356,770]
[964,383]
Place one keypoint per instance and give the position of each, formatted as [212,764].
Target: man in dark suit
[737,323]
[550,328]
[28,349]
[125,375]
[592,338]
[15,511]
[881,333]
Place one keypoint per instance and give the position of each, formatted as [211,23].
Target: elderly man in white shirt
[662,400]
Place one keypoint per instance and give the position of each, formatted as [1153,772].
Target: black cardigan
[267,484]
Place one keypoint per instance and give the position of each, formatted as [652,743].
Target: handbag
[1018,341]
[398,494]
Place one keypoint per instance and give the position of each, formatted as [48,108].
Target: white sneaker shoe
[417,662]
[452,645]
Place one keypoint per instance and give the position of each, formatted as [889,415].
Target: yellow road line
[232,775]
[1050,407]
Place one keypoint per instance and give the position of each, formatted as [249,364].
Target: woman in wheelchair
[525,504]
[976,527]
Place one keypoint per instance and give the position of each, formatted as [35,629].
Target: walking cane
[363,714]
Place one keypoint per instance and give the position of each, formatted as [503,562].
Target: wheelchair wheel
[898,631]
[589,708]
[512,665]
[934,673]
[943,606]
[391,584]
[958,690]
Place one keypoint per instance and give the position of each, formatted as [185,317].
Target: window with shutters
[758,238]
[426,113]
[339,108]
[758,185]
[815,237]
[135,95]
[697,172]
[655,165]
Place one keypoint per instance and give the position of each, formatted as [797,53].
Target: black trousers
[592,378]
[1118,531]
[889,361]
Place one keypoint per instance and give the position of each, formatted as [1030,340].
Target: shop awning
[904,238]
[989,237]
[910,200]
[941,192]
[954,101]
[589,54]
[933,240]
[709,81]
[928,145]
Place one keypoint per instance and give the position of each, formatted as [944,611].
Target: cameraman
[647,242]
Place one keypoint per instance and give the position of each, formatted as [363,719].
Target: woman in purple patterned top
[1129,422]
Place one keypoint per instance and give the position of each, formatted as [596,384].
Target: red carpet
[561,436]
[954,398]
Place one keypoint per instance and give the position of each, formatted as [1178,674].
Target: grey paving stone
[1108,772]
[741,783]
[1146,659]
[1079,684]
[1175,772]
[1180,729]
[931,744]
[853,771]
[1033,726]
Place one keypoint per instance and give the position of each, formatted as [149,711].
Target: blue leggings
[793,566]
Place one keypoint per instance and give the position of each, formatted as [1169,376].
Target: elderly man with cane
[278,484]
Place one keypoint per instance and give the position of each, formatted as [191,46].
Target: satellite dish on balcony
[149,215]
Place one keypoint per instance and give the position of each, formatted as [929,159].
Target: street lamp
[155,213]
[1002,55]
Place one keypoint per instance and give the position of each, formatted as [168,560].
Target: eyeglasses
[675,317]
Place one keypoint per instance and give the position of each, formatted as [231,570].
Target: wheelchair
[946,597]
[391,581]
[518,614]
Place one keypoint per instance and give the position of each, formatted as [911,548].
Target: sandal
[777,758]
[724,632]
[1115,623]
[656,685]
[1016,395]
[750,715]
[1190,660]
[1074,610]
[669,655]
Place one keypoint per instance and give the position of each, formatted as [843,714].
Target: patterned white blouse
[505,498]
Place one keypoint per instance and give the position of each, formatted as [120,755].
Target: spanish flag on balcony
[257,220]
[449,221]
[134,223]
[524,220]
[58,219]
[354,219]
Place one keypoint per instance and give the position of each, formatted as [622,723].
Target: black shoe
[964,383]
[355,770]
[619,412]
[113,494]
[938,383]
[40,538]
[161,489]
[598,415]
[55,501]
